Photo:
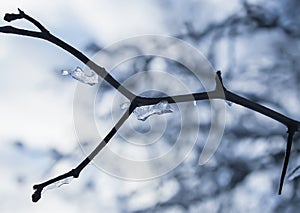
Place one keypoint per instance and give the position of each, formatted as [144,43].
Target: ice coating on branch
[79,75]
[59,183]
[144,112]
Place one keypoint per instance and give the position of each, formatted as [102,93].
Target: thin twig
[291,133]
[76,171]
[46,35]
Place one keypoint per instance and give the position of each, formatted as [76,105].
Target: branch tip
[219,75]
[291,131]
[219,82]
[36,196]
[36,186]
[21,11]
[12,16]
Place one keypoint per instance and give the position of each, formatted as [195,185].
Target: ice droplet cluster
[81,76]
[144,112]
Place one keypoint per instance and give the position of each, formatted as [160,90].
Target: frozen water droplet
[229,103]
[125,105]
[79,75]
[294,174]
[59,183]
[144,112]
[65,72]
[195,103]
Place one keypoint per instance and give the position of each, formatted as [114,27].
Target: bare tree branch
[220,92]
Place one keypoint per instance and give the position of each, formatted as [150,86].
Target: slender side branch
[76,171]
[46,35]
[291,133]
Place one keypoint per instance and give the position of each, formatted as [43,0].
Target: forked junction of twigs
[220,92]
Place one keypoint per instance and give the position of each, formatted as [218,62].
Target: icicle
[79,75]
[195,103]
[229,103]
[144,112]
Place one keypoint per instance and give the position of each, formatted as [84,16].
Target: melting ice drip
[79,75]
[144,112]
